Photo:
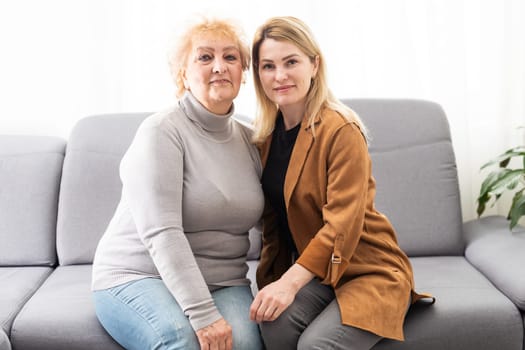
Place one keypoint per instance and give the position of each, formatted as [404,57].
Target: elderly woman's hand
[217,336]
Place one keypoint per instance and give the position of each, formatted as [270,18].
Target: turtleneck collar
[207,120]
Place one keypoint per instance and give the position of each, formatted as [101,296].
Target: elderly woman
[170,270]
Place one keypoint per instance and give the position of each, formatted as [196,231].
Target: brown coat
[329,195]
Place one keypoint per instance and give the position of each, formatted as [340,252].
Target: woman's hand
[217,336]
[272,300]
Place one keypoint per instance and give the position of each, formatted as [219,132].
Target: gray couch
[56,200]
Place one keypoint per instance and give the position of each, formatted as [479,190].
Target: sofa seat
[61,315]
[18,285]
[30,170]
[469,312]
[498,253]
[5,344]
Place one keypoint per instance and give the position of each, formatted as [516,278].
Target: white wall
[64,59]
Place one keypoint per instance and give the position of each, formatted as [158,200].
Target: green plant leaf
[507,181]
[513,184]
[489,181]
[504,162]
[503,159]
[496,183]
[482,204]
[517,209]
[517,196]
[503,180]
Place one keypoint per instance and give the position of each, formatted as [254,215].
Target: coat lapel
[297,159]
[300,151]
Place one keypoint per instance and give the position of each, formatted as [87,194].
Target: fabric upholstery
[414,165]
[30,168]
[252,268]
[255,235]
[61,315]
[5,344]
[469,312]
[91,186]
[499,254]
[17,285]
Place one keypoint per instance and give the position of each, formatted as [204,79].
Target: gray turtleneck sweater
[190,192]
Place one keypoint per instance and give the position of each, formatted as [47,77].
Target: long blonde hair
[319,96]
[203,25]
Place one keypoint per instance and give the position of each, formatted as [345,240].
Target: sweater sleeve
[152,178]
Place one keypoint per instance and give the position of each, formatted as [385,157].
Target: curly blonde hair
[223,28]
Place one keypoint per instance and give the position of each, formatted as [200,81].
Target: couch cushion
[91,187]
[469,312]
[414,166]
[30,168]
[255,236]
[499,254]
[251,274]
[5,344]
[523,315]
[17,285]
[61,315]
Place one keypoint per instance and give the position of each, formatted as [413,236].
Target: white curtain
[62,60]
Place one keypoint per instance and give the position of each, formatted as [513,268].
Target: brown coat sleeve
[348,169]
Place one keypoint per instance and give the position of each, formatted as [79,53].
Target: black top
[275,172]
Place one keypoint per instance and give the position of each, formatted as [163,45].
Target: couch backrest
[30,168]
[90,188]
[414,165]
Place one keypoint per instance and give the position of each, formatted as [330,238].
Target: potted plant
[505,179]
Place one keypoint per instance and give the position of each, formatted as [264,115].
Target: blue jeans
[144,315]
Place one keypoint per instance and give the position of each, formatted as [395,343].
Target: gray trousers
[313,321]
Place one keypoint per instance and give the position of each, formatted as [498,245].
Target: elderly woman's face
[214,72]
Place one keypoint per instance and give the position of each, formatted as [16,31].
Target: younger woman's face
[285,72]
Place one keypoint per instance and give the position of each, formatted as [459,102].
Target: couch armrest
[499,254]
[5,344]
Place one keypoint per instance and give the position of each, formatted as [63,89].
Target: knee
[307,342]
[175,336]
[252,343]
[247,336]
[279,334]
[166,336]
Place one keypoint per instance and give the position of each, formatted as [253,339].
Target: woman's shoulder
[160,118]
[164,122]
[332,121]
[159,129]
[244,125]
